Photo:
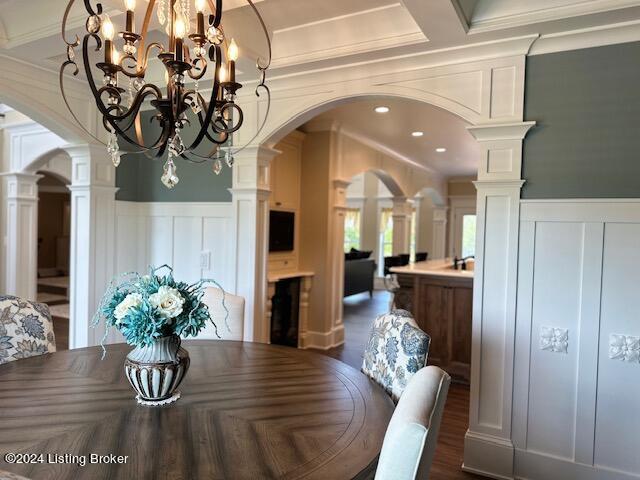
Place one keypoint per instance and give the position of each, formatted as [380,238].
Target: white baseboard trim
[324,340]
[537,466]
[488,456]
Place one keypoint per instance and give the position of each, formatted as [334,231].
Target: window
[468,235]
[385,243]
[352,229]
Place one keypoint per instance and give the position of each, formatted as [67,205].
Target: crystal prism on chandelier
[196,51]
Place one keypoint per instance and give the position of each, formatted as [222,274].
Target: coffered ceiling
[308,35]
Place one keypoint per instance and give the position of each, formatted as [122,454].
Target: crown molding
[599,36]
[549,14]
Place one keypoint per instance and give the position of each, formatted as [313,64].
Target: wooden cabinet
[443,308]
[285,173]
[285,176]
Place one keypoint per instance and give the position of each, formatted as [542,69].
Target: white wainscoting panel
[175,234]
[577,412]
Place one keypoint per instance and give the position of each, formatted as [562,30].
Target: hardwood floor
[359,313]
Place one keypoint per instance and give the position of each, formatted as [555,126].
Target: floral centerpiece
[153,312]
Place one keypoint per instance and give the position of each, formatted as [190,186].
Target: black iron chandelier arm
[66,100]
[90,10]
[65,18]
[214,20]
[215,54]
[201,69]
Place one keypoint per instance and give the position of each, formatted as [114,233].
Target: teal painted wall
[586,143]
[138,177]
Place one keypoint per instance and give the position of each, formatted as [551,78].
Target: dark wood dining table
[248,411]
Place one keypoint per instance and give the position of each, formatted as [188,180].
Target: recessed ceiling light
[417,134]
[441,150]
[382,109]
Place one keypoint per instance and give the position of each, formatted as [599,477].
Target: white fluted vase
[155,371]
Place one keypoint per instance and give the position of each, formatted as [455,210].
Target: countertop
[277,276]
[438,268]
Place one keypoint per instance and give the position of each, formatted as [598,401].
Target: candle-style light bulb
[222,75]
[232,55]
[130,4]
[108,32]
[115,56]
[201,5]
[107,29]
[180,30]
[233,52]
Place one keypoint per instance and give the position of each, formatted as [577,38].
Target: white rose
[167,301]
[131,300]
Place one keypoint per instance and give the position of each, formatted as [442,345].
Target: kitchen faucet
[462,262]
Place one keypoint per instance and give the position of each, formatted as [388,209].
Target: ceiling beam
[441,21]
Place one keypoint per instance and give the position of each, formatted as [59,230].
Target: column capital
[91,165]
[257,152]
[251,168]
[401,207]
[22,186]
[498,184]
[500,131]
[339,183]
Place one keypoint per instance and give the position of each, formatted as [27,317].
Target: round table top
[248,411]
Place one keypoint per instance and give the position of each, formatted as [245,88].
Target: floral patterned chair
[396,350]
[26,329]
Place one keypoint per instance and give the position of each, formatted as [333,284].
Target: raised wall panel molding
[624,347]
[554,339]
[575,415]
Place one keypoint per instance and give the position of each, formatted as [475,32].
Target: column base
[488,456]
[323,340]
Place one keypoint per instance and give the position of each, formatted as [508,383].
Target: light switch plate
[205,260]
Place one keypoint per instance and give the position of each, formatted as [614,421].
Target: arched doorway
[53,266]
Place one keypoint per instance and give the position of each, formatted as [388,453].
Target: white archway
[488,93]
[31,147]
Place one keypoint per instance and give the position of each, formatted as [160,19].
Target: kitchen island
[441,300]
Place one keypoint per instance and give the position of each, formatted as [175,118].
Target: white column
[251,214]
[21,227]
[439,232]
[488,444]
[401,225]
[336,260]
[92,238]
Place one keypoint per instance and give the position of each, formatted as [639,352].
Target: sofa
[359,273]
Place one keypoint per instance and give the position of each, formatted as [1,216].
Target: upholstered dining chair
[395,351]
[26,329]
[412,434]
[235,305]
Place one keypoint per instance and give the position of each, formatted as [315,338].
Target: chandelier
[179,102]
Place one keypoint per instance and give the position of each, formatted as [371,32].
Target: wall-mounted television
[281,231]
